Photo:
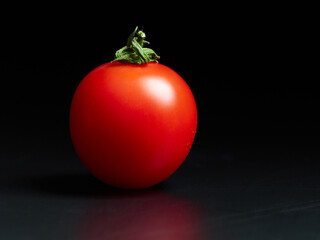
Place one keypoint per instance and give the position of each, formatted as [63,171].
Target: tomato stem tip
[134,52]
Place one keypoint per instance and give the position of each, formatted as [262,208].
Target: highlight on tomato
[133,120]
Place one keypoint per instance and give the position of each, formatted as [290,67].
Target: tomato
[132,125]
[133,120]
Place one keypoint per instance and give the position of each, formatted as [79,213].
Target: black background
[251,72]
[254,76]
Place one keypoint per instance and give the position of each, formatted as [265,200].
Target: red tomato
[132,125]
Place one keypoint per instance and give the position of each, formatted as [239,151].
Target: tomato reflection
[153,216]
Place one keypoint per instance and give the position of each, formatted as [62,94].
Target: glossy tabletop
[228,188]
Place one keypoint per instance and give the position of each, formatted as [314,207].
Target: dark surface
[252,172]
[230,187]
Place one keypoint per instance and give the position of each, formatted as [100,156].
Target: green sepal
[134,52]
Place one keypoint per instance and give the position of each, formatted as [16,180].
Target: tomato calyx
[134,52]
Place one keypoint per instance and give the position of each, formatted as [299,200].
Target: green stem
[134,52]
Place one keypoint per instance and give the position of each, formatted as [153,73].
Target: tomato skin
[132,125]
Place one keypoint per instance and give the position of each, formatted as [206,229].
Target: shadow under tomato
[77,185]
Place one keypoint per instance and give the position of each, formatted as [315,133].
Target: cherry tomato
[133,125]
